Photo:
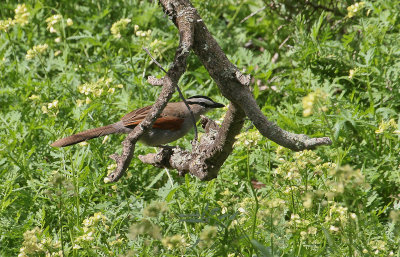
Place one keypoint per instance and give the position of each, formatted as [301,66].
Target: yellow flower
[21,15]
[84,89]
[308,200]
[105,139]
[352,73]
[98,92]
[117,242]
[44,109]
[208,235]
[53,104]
[312,230]
[86,237]
[35,51]
[35,243]
[389,126]
[353,9]
[6,24]
[98,216]
[145,227]
[119,26]
[79,102]
[173,242]
[57,40]
[334,229]
[97,88]
[34,97]
[157,43]
[69,22]
[111,167]
[53,20]
[309,102]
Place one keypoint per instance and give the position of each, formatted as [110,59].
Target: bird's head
[202,103]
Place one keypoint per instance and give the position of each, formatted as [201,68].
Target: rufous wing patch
[170,123]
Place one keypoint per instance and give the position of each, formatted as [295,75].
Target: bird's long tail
[86,135]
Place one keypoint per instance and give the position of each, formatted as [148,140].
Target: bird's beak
[218,105]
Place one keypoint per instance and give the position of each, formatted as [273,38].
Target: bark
[207,156]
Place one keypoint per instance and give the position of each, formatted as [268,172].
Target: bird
[174,122]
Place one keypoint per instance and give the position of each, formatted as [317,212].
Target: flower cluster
[21,17]
[89,228]
[345,179]
[338,215]
[315,101]
[35,244]
[303,226]
[6,24]
[353,9]
[142,33]
[118,241]
[54,21]
[80,102]
[352,72]
[378,246]
[110,169]
[156,43]
[174,242]
[119,26]
[248,138]
[36,51]
[145,227]
[96,89]
[388,126]
[51,108]
[302,161]
[34,97]
[272,210]
[208,236]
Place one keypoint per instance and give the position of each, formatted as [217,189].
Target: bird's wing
[163,122]
[136,115]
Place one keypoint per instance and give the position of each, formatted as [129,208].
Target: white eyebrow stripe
[200,101]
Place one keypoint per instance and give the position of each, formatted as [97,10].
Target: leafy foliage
[322,68]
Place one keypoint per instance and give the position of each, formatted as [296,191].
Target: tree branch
[234,86]
[207,157]
[184,23]
[215,146]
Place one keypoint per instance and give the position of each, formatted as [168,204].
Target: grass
[317,72]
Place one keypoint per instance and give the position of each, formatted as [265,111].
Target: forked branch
[215,146]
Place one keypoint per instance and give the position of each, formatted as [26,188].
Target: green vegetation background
[322,68]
